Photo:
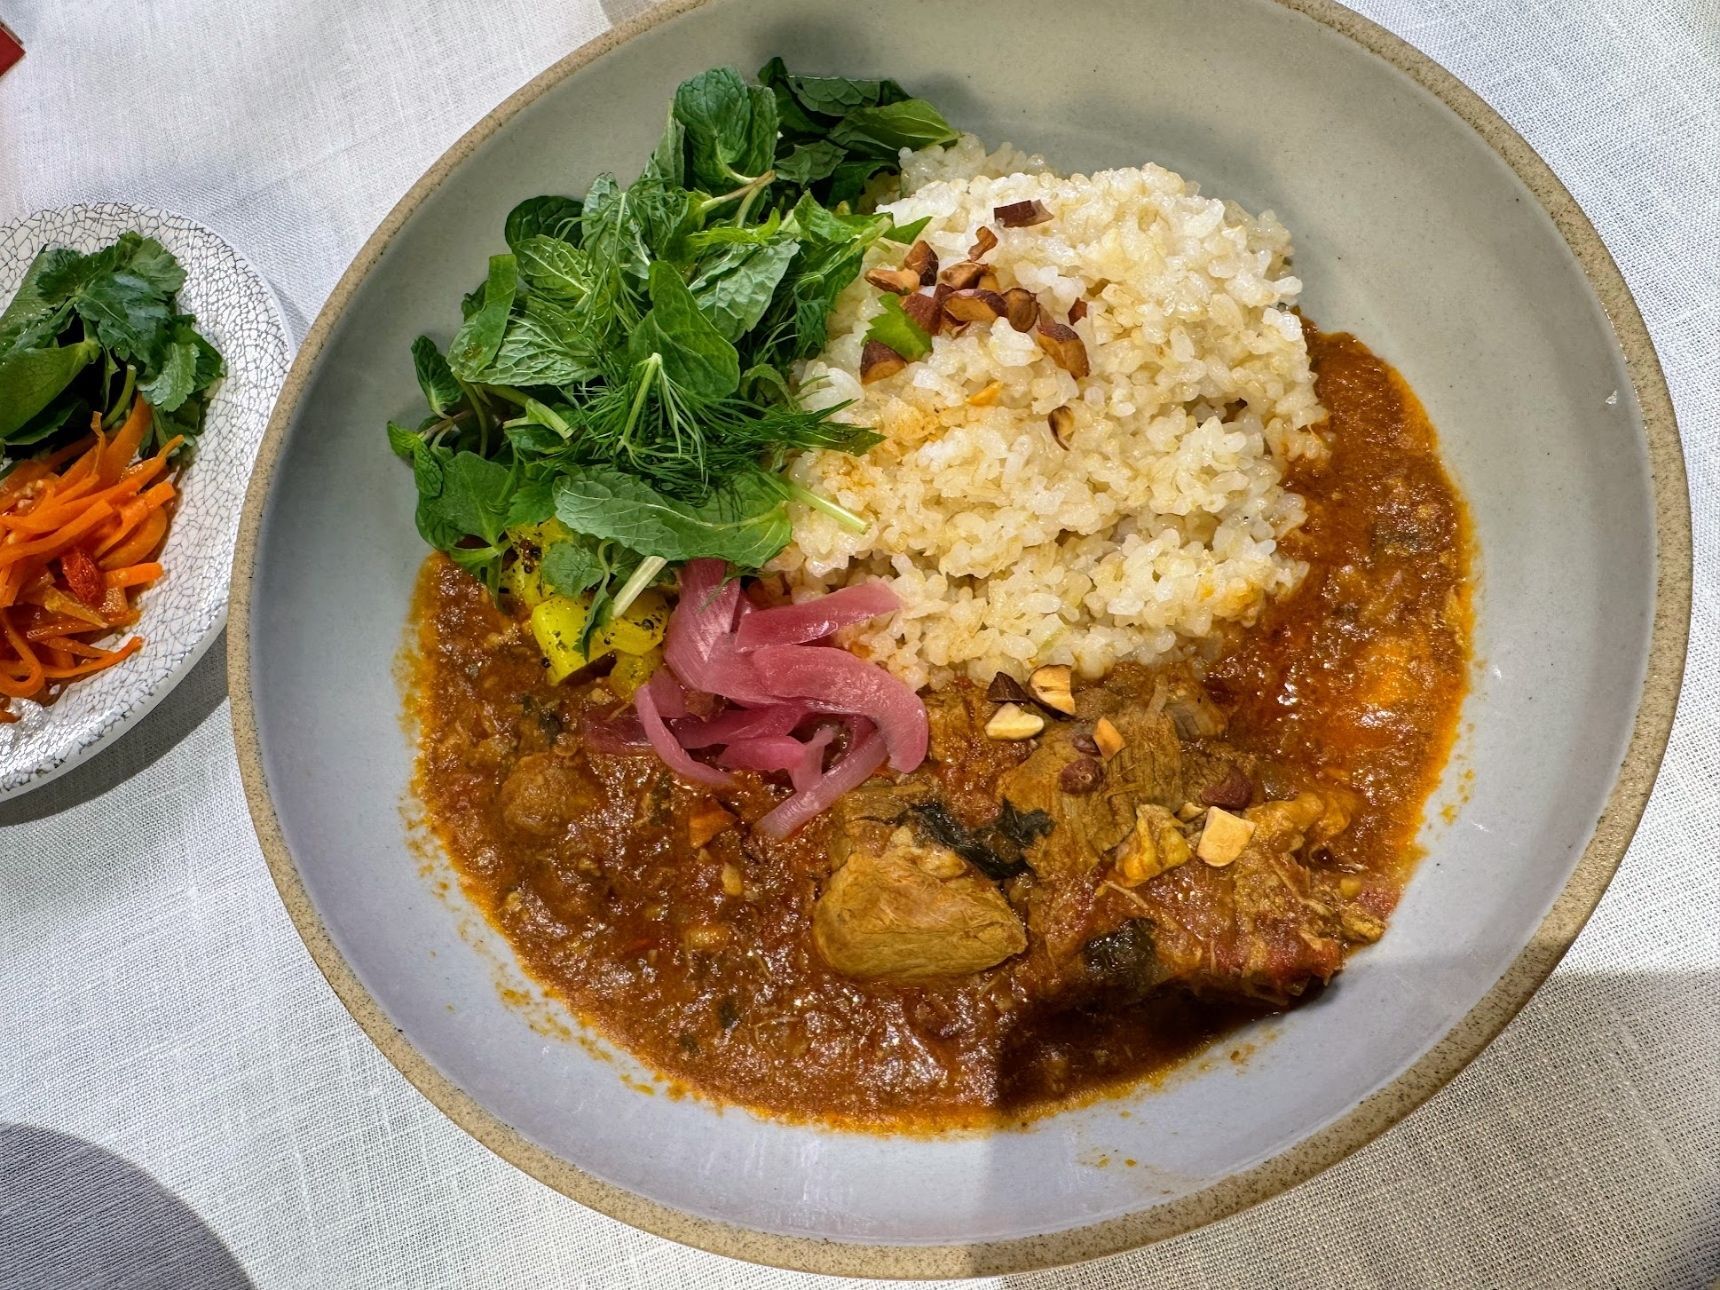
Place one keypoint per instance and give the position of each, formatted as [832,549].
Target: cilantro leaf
[32,319]
[123,292]
[174,378]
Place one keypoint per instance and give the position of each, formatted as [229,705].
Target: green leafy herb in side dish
[84,333]
[623,371]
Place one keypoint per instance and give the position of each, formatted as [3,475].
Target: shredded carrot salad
[79,532]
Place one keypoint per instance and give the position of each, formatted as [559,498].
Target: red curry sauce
[701,962]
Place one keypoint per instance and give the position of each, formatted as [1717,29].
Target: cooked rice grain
[1160,521]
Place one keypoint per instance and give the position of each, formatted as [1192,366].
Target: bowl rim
[1370,1117]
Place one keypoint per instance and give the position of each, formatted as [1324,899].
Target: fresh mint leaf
[810,162]
[665,218]
[543,346]
[730,128]
[475,495]
[825,227]
[669,160]
[745,523]
[619,331]
[696,357]
[402,440]
[792,119]
[555,268]
[435,378]
[901,333]
[533,502]
[426,469]
[888,128]
[848,182]
[611,505]
[531,439]
[833,249]
[720,235]
[557,217]
[611,229]
[31,379]
[571,568]
[734,287]
[433,526]
[837,96]
[478,339]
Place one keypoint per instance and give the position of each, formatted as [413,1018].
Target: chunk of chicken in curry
[1108,886]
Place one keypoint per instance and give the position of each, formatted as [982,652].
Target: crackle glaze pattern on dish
[184,612]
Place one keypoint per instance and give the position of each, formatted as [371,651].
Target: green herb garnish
[624,366]
[85,333]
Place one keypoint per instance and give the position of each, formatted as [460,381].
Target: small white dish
[185,611]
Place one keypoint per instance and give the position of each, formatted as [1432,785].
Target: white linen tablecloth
[184,1103]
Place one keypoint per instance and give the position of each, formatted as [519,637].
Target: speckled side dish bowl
[1422,223]
[184,612]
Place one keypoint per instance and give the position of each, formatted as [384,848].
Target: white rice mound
[1160,522]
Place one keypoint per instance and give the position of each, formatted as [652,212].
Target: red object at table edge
[11,49]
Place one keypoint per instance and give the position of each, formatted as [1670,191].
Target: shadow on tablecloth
[76,1217]
[176,716]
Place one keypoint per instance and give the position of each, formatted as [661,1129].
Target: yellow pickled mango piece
[640,629]
[524,577]
[632,671]
[557,623]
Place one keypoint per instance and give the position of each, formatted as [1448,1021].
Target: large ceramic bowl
[1422,223]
